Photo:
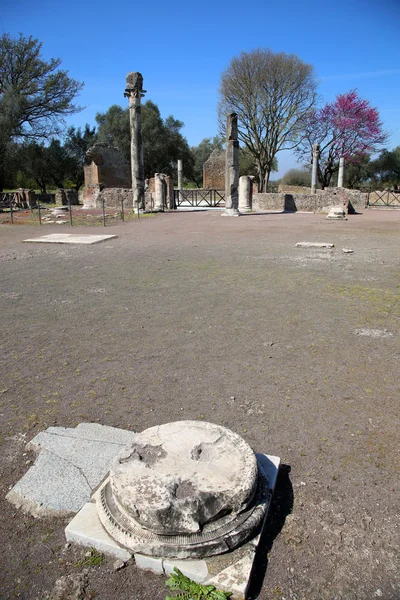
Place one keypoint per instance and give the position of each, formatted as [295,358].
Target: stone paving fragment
[71,463]
[314,245]
[70,238]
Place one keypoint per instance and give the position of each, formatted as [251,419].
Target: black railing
[199,197]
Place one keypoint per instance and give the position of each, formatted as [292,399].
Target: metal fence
[199,197]
[384,199]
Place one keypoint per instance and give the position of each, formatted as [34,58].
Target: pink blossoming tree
[349,127]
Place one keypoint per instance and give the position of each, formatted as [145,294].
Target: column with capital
[134,92]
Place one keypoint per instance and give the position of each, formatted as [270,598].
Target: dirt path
[194,316]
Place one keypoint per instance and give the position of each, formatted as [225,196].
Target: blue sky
[181,48]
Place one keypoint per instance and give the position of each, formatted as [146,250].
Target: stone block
[196,570]
[86,530]
[149,563]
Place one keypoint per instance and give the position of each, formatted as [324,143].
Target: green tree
[163,142]
[35,95]
[34,161]
[271,94]
[386,168]
[300,177]
[76,144]
[113,128]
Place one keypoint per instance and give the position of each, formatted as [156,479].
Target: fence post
[104,214]
[122,210]
[11,213]
[40,216]
[70,211]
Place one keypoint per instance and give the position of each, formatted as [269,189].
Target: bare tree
[271,94]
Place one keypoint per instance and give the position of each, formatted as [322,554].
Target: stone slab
[70,464]
[314,245]
[70,238]
[86,530]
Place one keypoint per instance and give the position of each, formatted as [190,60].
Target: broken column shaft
[314,173]
[341,172]
[232,166]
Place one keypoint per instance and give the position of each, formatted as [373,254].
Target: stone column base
[231,212]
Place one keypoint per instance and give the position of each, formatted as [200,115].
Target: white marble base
[229,572]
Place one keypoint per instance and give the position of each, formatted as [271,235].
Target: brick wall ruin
[106,168]
[214,171]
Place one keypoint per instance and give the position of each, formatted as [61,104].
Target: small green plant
[93,558]
[190,590]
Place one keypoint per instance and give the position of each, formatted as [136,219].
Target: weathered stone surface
[86,530]
[226,571]
[336,213]
[178,477]
[106,168]
[232,165]
[134,92]
[295,198]
[245,193]
[71,463]
[214,171]
[182,490]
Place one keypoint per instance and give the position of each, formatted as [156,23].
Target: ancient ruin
[134,92]
[341,172]
[314,172]
[245,193]
[232,166]
[67,197]
[214,171]
[187,489]
[106,169]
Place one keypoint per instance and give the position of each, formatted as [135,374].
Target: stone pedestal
[336,213]
[184,490]
[245,193]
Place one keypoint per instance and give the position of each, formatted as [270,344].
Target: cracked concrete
[70,464]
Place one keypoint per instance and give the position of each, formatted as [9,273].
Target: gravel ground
[194,316]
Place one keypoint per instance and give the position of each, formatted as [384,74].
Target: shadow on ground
[281,506]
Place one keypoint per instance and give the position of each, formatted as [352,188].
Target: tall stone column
[180,174]
[134,92]
[341,172]
[314,173]
[245,193]
[232,166]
